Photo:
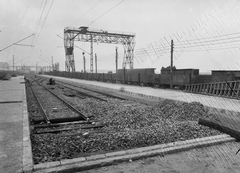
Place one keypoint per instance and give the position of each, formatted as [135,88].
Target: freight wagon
[147,77]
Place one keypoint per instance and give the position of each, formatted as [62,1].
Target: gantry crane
[85,34]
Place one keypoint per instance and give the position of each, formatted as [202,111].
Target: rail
[65,102]
[109,95]
[87,94]
[229,89]
[46,118]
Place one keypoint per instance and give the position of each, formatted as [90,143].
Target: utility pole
[84,63]
[52,64]
[116,59]
[116,62]
[91,56]
[96,62]
[171,67]
[13,62]
[36,67]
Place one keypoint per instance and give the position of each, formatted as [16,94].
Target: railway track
[81,93]
[53,107]
[115,124]
[91,90]
[84,91]
[87,91]
[58,113]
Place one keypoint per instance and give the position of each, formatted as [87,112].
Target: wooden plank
[232,132]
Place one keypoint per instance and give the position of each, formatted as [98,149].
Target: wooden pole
[171,67]
[13,62]
[116,62]
[96,62]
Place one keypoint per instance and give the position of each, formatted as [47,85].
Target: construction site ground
[15,148]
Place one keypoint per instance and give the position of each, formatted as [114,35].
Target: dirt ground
[215,159]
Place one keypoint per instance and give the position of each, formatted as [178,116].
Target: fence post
[234,89]
[237,87]
[159,80]
[230,89]
[139,79]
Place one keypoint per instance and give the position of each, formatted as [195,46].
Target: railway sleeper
[86,134]
[60,120]
[62,124]
[68,129]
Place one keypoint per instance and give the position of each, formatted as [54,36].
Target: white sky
[150,20]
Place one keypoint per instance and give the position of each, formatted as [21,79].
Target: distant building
[4,65]
[56,66]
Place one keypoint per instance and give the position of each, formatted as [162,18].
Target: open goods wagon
[144,77]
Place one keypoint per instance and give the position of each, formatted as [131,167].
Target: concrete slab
[11,90]
[11,126]
[212,101]
[11,137]
[12,84]
[213,159]
[11,95]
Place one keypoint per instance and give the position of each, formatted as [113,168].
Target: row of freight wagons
[145,76]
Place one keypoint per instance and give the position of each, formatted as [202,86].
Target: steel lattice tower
[69,46]
[85,34]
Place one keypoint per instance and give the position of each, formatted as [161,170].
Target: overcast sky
[155,23]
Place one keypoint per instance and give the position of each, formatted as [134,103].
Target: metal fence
[228,89]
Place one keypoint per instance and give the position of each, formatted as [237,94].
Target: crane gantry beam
[85,34]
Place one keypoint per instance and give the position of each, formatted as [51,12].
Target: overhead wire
[17,42]
[40,17]
[44,21]
[105,13]
[87,11]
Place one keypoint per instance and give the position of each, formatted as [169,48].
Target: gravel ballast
[128,125]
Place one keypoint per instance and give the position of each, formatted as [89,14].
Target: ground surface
[214,159]
[127,125]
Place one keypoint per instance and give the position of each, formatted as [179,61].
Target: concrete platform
[14,127]
[211,101]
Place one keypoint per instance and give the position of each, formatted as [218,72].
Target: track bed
[127,124]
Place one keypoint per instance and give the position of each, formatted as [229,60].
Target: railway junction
[32,147]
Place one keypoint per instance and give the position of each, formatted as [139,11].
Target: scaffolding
[85,34]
